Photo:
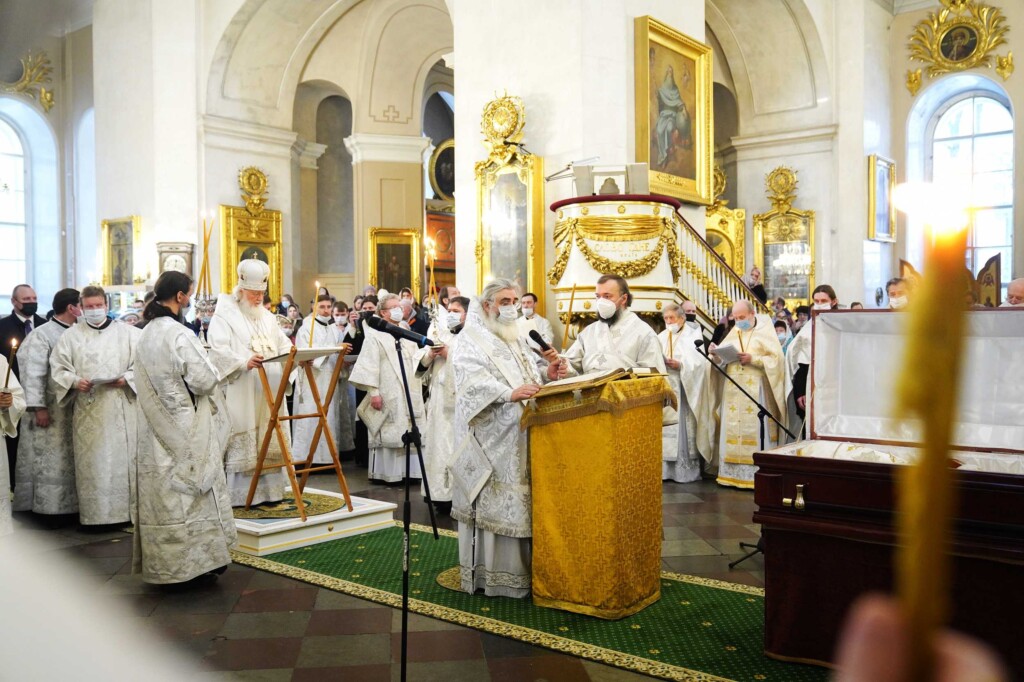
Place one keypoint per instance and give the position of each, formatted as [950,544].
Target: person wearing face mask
[384,410]
[1014,294]
[182,511]
[898,292]
[729,430]
[344,395]
[15,327]
[531,321]
[438,436]
[619,338]
[45,474]
[785,336]
[680,461]
[322,326]
[798,356]
[205,308]
[93,367]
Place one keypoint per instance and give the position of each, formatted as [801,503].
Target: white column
[572,64]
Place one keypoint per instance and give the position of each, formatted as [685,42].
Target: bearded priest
[494,373]
[619,339]
[729,424]
[242,335]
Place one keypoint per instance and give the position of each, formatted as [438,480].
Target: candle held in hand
[14,350]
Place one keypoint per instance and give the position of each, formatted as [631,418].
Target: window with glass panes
[12,214]
[972,147]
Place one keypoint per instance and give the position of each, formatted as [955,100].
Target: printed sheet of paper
[728,353]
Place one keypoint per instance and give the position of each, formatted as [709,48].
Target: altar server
[320,325]
[686,372]
[242,334]
[729,425]
[12,406]
[494,372]
[182,514]
[619,339]
[439,436]
[384,410]
[531,321]
[92,368]
[45,475]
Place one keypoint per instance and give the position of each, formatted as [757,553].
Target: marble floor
[251,625]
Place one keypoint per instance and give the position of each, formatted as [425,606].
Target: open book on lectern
[592,379]
[303,354]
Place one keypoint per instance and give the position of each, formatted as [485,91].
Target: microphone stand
[410,438]
[762,412]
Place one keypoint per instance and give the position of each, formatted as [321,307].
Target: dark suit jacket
[11,327]
[420,325]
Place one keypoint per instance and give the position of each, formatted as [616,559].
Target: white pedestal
[260,537]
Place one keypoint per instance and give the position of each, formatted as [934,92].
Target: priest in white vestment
[686,372]
[184,527]
[619,339]
[439,434]
[322,327]
[12,406]
[45,476]
[494,372]
[385,410]
[729,429]
[242,334]
[531,321]
[93,369]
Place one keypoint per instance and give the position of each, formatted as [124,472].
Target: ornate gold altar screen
[725,228]
[784,241]
[251,231]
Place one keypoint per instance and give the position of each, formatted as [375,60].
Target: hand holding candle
[14,350]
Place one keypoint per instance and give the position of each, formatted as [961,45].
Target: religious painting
[442,170]
[784,242]
[244,235]
[881,209]
[395,260]
[120,237]
[175,257]
[673,111]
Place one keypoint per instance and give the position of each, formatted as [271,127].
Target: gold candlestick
[14,351]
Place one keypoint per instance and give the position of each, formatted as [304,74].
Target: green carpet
[699,630]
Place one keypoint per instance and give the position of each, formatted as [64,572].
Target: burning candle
[14,350]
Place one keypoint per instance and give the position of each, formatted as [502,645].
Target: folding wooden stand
[274,402]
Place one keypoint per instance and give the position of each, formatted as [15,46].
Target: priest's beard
[614,318]
[248,309]
[506,332]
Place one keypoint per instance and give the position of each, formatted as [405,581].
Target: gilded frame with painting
[673,111]
[881,208]
[121,238]
[248,235]
[395,259]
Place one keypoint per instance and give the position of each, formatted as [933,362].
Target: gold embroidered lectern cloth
[595,464]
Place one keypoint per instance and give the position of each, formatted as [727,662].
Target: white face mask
[340,320]
[605,308]
[507,314]
[323,318]
[453,319]
[527,312]
[823,306]
[95,316]
[898,302]
[782,338]
[674,327]
[396,314]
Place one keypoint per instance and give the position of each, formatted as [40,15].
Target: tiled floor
[257,626]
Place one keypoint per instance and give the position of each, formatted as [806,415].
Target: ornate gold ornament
[253,183]
[913,81]
[502,124]
[784,241]
[958,37]
[580,231]
[1004,65]
[725,228]
[35,70]
[780,186]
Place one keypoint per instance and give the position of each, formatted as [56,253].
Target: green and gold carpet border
[572,647]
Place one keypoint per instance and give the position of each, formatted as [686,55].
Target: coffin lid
[856,362]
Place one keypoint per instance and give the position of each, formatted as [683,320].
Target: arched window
[972,148]
[12,213]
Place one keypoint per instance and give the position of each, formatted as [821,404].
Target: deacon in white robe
[93,373]
[45,476]
[183,520]
[324,335]
[241,335]
[12,406]
[344,395]
[619,339]
[439,434]
[494,372]
[729,429]
[531,321]
[686,372]
[384,410]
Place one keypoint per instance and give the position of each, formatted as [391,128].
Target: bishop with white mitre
[242,335]
[686,372]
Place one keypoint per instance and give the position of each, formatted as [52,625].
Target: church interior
[770,159]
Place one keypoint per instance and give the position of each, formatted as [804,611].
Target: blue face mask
[745,325]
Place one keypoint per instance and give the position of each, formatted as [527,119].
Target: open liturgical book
[303,354]
[591,379]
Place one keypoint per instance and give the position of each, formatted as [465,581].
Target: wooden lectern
[275,401]
[595,466]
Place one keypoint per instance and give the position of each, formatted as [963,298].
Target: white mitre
[253,274]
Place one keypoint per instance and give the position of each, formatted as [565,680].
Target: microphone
[539,340]
[382,326]
[699,343]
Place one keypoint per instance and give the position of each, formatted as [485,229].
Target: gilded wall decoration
[725,227]
[251,231]
[395,259]
[590,233]
[960,36]
[121,238]
[35,71]
[784,241]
